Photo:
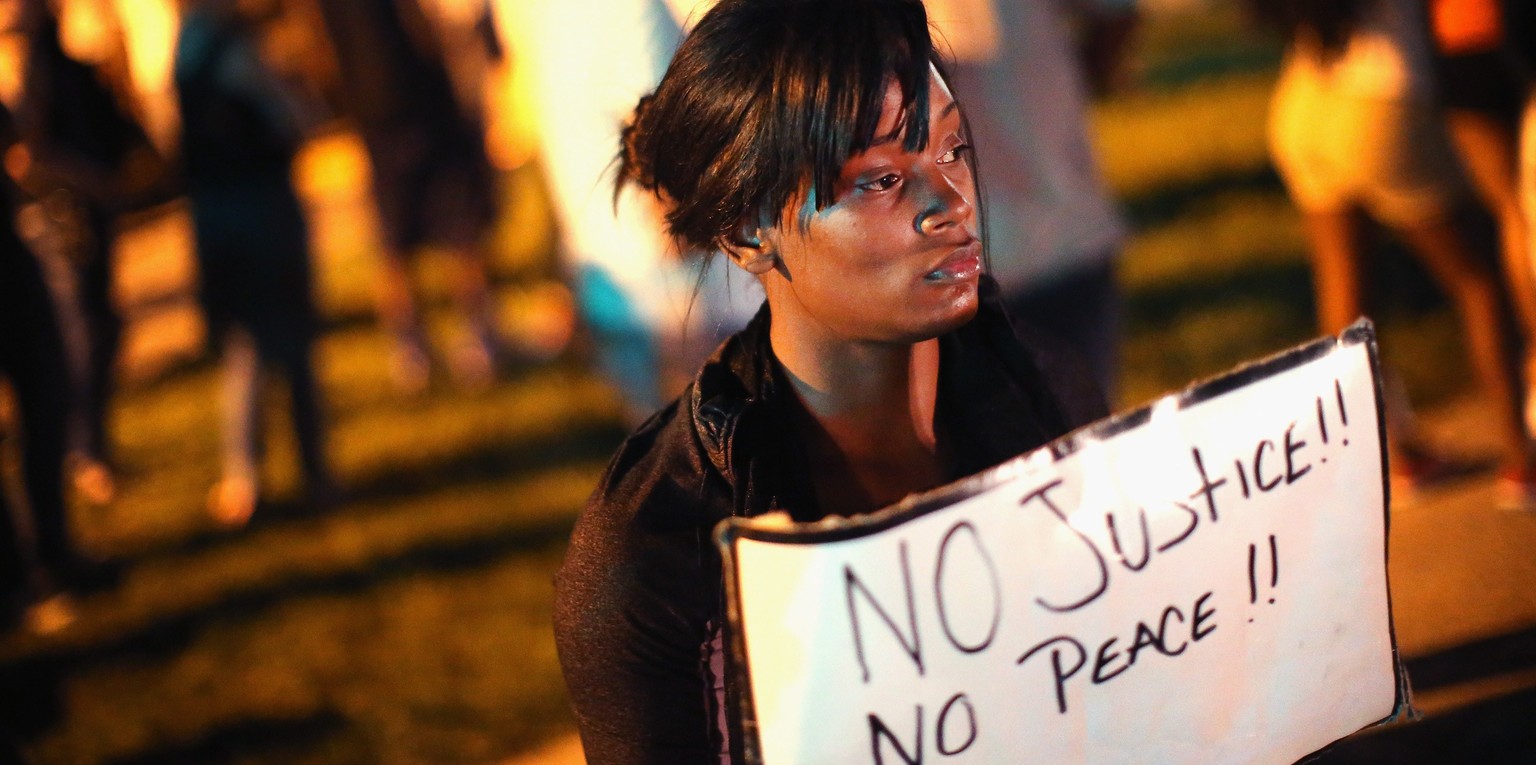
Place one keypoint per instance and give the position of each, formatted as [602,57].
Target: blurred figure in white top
[654,314]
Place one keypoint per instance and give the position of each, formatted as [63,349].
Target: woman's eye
[954,154]
[882,183]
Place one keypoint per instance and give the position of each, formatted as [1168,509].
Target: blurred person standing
[1025,69]
[1483,90]
[653,313]
[240,131]
[1522,33]
[432,181]
[1355,130]
[39,563]
[84,159]
[1520,39]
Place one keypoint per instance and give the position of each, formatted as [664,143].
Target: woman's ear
[747,247]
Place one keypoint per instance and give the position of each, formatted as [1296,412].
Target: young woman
[240,132]
[816,143]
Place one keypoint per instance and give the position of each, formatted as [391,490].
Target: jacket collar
[741,409]
[730,382]
[991,398]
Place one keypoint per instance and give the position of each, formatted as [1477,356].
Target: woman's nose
[949,206]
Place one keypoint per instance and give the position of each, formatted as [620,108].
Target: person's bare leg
[409,365]
[1338,267]
[1475,293]
[474,290]
[233,498]
[1490,153]
[475,357]
[1489,150]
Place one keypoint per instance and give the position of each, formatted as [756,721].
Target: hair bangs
[830,95]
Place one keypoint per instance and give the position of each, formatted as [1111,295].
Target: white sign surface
[1200,581]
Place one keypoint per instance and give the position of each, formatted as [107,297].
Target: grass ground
[411,625]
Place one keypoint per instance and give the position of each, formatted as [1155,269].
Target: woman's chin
[958,309]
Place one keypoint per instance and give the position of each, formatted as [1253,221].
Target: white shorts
[1337,150]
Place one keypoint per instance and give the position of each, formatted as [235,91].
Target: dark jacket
[639,601]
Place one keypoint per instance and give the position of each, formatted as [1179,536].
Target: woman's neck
[858,381]
[868,419]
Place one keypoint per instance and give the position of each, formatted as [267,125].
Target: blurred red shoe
[1414,471]
[1515,490]
[232,501]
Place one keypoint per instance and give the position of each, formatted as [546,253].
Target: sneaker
[232,501]
[1417,470]
[93,480]
[1515,490]
[50,615]
[546,325]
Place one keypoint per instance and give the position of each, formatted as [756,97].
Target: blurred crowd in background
[1384,108]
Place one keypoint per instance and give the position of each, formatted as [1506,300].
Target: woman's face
[895,257]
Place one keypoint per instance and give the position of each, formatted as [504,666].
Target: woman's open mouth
[963,264]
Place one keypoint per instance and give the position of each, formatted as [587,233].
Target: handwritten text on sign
[1205,585]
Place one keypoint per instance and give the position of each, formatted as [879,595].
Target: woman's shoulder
[668,484]
[647,524]
[656,478]
[634,596]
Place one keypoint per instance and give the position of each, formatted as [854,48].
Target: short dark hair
[766,95]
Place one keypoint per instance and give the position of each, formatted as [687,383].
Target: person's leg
[43,559]
[44,406]
[103,323]
[409,365]
[1489,150]
[1342,295]
[306,407]
[54,566]
[398,186]
[13,574]
[21,580]
[1527,179]
[1479,302]
[475,356]
[472,288]
[40,377]
[63,277]
[1340,264]
[92,471]
[1526,194]
[233,498]
[1338,267]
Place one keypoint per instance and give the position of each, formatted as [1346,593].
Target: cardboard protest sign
[1202,580]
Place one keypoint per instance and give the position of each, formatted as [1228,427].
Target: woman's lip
[964,263]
